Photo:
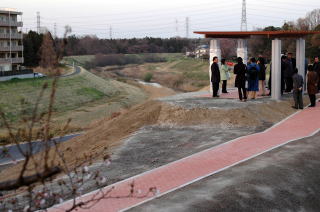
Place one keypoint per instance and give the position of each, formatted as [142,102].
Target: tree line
[92,45]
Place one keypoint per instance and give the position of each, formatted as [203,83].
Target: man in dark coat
[292,61]
[288,72]
[215,77]
[316,68]
[297,89]
[283,68]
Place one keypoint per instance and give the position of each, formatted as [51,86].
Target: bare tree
[313,18]
[47,52]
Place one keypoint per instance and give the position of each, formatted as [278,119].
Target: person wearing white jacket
[224,75]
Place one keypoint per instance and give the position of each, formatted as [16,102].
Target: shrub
[148,76]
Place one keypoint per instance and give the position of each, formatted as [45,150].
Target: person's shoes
[311,106]
[225,92]
[300,108]
[294,107]
[245,100]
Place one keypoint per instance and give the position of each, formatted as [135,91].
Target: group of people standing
[255,74]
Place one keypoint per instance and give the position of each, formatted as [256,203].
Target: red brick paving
[208,162]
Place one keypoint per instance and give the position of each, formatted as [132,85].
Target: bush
[148,76]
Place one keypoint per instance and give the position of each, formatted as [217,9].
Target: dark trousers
[224,86]
[298,101]
[289,84]
[242,92]
[215,89]
[312,99]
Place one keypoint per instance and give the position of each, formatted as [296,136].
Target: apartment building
[11,46]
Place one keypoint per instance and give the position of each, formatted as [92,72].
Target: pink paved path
[195,167]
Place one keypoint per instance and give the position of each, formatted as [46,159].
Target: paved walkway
[183,172]
[232,94]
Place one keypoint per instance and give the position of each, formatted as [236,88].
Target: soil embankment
[111,132]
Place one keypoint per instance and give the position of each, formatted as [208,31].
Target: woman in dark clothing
[240,70]
[262,75]
[312,85]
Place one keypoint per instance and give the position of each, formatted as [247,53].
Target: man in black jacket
[215,77]
[292,60]
[288,72]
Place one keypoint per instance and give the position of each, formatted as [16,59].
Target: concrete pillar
[300,56]
[242,50]
[276,69]
[215,51]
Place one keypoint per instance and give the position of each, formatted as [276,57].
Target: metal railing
[13,60]
[13,48]
[13,36]
[18,72]
[11,23]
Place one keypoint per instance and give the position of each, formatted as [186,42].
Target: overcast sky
[164,18]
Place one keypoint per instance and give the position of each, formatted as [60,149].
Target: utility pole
[187,27]
[244,16]
[38,22]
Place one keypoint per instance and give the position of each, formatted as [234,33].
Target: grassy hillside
[83,97]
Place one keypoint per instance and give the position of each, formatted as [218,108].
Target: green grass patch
[190,64]
[91,93]
[18,97]
[196,75]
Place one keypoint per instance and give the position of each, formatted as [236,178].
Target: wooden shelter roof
[248,34]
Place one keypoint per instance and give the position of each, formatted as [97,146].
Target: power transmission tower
[187,27]
[177,28]
[244,16]
[110,32]
[38,22]
[55,30]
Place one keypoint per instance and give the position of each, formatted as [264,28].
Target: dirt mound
[109,132]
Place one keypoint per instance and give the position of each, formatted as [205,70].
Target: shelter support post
[215,51]
[242,50]
[301,57]
[276,69]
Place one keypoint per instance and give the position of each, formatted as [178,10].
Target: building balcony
[13,49]
[13,36]
[12,60]
[11,23]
